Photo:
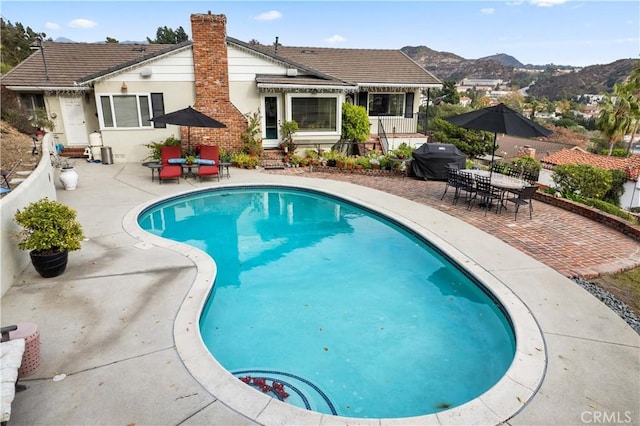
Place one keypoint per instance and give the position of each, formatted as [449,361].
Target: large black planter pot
[49,265]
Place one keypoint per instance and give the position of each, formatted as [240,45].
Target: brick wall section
[209,34]
[594,214]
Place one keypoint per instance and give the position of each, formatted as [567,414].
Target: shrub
[355,123]
[287,129]
[156,147]
[242,159]
[250,137]
[527,164]
[618,179]
[588,181]
[49,227]
[403,151]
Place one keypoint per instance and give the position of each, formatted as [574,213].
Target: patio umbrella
[499,119]
[189,117]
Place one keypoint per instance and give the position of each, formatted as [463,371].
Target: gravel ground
[610,300]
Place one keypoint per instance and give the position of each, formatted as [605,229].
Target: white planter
[69,178]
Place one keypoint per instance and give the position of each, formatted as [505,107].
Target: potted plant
[251,136]
[287,129]
[50,232]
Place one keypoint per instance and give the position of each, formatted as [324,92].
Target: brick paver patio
[571,244]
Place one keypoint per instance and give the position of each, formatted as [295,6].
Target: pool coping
[500,403]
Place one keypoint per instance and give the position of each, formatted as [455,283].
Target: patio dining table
[504,182]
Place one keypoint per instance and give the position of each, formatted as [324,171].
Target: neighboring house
[510,147]
[630,165]
[116,88]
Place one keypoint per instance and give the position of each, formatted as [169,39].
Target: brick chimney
[211,70]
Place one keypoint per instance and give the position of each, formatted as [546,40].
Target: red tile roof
[571,156]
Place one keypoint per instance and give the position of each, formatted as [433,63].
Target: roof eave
[48,88]
[101,75]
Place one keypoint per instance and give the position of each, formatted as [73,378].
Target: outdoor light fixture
[124,86]
[37,44]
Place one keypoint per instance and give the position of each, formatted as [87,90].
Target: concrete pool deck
[119,322]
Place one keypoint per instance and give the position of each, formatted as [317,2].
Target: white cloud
[487,11]
[547,3]
[82,23]
[269,16]
[52,26]
[336,38]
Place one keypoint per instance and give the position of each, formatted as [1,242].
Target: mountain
[567,82]
[594,79]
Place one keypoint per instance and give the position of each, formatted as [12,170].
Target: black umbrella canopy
[189,117]
[499,119]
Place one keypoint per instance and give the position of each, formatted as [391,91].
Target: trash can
[107,156]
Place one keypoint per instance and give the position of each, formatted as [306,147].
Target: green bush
[586,180]
[403,151]
[251,136]
[49,227]
[355,123]
[155,148]
[244,160]
[618,179]
[527,164]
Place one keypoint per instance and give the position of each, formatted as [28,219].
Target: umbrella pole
[493,153]
[189,140]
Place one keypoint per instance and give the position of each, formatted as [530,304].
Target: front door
[75,128]
[271,108]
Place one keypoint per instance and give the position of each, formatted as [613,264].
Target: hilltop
[568,82]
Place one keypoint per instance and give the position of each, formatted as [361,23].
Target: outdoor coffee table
[155,167]
[187,170]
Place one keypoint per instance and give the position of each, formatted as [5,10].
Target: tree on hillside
[166,35]
[16,42]
[112,40]
[619,114]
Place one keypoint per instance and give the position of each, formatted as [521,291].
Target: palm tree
[618,114]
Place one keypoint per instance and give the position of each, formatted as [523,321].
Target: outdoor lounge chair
[169,170]
[209,161]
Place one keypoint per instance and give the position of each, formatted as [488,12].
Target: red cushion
[170,172]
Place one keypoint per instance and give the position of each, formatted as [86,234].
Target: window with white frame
[31,103]
[129,111]
[315,113]
[386,104]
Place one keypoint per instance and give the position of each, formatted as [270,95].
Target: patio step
[272,159]
[73,152]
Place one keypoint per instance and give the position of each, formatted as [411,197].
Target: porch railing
[382,135]
[403,124]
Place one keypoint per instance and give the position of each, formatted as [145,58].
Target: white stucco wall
[39,184]
[173,76]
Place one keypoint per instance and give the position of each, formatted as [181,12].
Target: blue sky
[539,32]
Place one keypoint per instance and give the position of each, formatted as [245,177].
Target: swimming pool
[259,249]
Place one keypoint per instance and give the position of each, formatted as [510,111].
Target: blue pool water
[353,314]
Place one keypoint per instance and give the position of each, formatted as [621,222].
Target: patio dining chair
[487,193]
[522,198]
[453,181]
[467,186]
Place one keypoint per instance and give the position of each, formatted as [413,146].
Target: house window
[385,103]
[127,111]
[315,114]
[31,103]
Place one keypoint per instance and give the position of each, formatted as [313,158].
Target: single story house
[106,93]
[631,165]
